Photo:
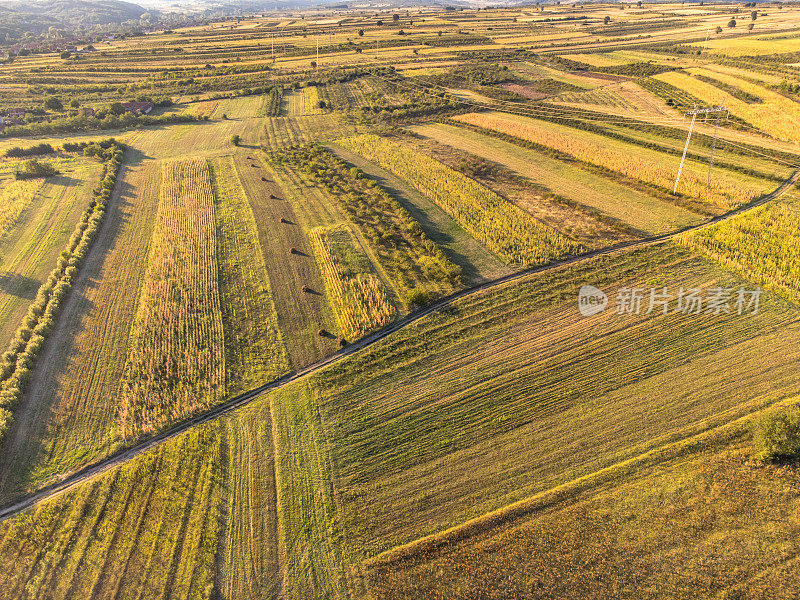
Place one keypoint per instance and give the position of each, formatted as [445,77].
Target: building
[139,108]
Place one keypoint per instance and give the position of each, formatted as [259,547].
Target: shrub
[53,103]
[417,297]
[777,434]
[31,169]
[36,150]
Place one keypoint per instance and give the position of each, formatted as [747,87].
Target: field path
[93,470]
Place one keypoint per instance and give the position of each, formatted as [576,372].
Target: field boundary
[122,456]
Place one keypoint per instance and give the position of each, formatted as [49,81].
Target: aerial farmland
[399,301]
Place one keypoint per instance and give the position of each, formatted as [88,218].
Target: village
[22,116]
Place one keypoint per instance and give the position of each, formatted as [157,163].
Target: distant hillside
[38,16]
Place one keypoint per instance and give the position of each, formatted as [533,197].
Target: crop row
[503,227]
[647,166]
[14,198]
[762,115]
[272,103]
[762,244]
[149,529]
[176,364]
[416,266]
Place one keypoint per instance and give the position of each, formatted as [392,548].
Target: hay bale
[284,220]
[323,333]
[273,197]
[306,289]
[293,250]
[342,342]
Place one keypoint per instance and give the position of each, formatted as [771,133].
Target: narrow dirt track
[123,456]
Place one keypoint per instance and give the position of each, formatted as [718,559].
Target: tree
[360,33]
[750,26]
[53,103]
[116,108]
[732,23]
[235,139]
[718,29]
[395,17]
[607,20]
[313,64]
[74,103]
[379,23]
[754,15]
[777,434]
[66,54]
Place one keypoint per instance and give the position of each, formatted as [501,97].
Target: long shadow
[64,180]
[71,322]
[431,229]
[19,285]
[121,456]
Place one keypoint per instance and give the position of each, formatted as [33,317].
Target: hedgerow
[20,357]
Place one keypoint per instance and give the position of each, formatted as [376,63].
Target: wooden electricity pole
[694,112]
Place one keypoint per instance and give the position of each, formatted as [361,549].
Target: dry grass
[248,559]
[254,347]
[14,198]
[146,530]
[709,523]
[764,116]
[762,244]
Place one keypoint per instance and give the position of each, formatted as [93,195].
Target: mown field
[307,180]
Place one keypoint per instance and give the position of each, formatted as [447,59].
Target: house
[139,108]
[88,112]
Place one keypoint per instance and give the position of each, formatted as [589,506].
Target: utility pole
[685,148]
[706,42]
[317,54]
[694,112]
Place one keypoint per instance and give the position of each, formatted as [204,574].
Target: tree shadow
[19,285]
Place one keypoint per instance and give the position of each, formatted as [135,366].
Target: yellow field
[358,297]
[503,227]
[763,116]
[725,191]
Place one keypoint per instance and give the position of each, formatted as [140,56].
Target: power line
[541,111]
